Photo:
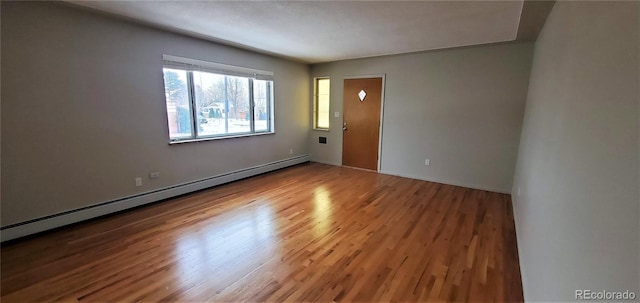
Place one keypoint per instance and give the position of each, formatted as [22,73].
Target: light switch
[336,114]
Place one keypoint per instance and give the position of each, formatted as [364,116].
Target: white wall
[460,108]
[577,212]
[83,111]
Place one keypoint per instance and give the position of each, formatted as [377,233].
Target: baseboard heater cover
[34,226]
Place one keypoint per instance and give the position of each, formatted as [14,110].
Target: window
[321,107]
[208,100]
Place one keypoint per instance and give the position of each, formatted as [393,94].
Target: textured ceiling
[321,31]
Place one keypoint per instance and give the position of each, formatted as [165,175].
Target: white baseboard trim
[30,227]
[502,191]
[326,162]
[497,190]
[523,277]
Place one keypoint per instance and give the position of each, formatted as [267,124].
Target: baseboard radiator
[34,226]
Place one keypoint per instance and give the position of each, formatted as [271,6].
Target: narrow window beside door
[321,106]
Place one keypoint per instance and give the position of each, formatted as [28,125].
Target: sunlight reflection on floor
[322,211]
[227,245]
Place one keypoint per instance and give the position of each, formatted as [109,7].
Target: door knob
[344,126]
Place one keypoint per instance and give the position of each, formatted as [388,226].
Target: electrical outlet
[427,162]
[138,181]
[290,151]
[518,191]
[154,175]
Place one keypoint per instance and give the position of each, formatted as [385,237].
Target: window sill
[219,138]
[322,129]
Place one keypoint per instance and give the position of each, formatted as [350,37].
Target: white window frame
[315,104]
[191,65]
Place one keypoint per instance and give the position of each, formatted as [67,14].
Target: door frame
[384,81]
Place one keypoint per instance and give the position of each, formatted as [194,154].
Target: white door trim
[383,76]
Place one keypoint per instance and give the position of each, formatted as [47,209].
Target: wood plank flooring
[312,232]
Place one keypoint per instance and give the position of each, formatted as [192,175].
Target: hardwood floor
[312,232]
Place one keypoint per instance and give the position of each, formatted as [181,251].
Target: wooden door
[361,128]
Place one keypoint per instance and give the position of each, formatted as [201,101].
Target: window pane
[322,105]
[262,104]
[210,103]
[323,86]
[178,105]
[323,111]
[222,104]
[237,95]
